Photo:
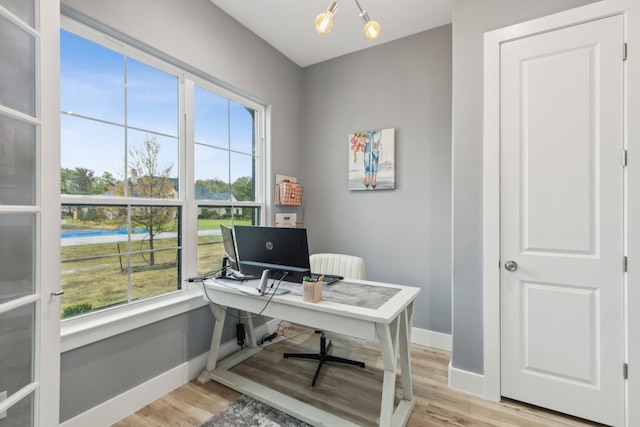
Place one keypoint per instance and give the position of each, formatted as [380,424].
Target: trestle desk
[362,309]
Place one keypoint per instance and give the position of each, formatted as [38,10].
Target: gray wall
[404,234]
[471,19]
[418,85]
[92,374]
[197,34]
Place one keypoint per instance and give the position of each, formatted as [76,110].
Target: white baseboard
[127,403]
[431,339]
[468,382]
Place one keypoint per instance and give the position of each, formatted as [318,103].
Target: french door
[29,213]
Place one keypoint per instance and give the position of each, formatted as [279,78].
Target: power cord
[208,275]
[204,289]
[281,330]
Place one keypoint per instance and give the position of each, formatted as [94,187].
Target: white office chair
[349,267]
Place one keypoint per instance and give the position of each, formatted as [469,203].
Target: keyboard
[327,279]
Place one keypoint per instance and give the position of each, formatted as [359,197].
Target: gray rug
[248,412]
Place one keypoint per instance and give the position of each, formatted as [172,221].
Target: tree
[105,182]
[242,188]
[77,181]
[214,186]
[65,180]
[149,180]
[84,181]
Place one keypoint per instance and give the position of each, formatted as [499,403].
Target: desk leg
[388,347]
[219,314]
[406,320]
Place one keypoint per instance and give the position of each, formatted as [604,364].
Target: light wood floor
[348,391]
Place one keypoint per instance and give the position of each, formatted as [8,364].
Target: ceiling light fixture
[371,28]
[324,21]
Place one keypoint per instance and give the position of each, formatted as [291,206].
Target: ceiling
[288,25]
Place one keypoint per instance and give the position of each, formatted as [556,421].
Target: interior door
[561,213]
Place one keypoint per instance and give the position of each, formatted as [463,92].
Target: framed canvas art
[372,160]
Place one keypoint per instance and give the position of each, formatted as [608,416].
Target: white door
[29,213]
[561,213]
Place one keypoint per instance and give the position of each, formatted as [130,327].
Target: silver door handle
[57,294]
[511,265]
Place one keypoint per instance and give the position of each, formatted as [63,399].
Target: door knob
[511,265]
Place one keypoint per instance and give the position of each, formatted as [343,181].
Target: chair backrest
[347,266]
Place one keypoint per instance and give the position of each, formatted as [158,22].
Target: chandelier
[324,21]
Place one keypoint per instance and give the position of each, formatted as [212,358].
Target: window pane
[17,68]
[242,184]
[17,162]
[211,118]
[152,99]
[155,273]
[91,78]
[100,268]
[224,168]
[153,165]
[16,348]
[211,173]
[17,243]
[210,249]
[23,9]
[92,156]
[92,282]
[242,128]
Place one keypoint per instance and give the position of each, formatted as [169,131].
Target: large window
[127,182]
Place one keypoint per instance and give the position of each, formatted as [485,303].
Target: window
[225,165]
[127,195]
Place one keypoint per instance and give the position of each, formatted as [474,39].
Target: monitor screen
[229,249]
[279,249]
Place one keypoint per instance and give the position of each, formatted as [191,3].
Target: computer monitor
[284,251]
[230,259]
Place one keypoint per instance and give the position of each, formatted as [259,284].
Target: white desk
[349,308]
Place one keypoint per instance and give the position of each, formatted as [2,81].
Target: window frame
[85,329]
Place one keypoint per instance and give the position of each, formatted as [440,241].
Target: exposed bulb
[324,22]
[372,30]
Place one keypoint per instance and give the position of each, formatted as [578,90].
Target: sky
[93,86]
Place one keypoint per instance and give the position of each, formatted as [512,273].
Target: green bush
[76,309]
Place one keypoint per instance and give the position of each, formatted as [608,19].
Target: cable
[204,288]
[280,330]
[208,275]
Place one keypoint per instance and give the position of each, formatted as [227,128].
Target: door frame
[491,184]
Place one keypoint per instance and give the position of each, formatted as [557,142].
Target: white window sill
[97,326]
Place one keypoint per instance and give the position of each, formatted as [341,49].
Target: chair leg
[323,357]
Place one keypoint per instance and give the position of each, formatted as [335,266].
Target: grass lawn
[102,275]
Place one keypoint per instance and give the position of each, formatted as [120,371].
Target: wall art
[372,160]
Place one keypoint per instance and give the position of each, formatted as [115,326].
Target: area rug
[248,412]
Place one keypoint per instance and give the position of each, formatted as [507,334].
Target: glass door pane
[17,351]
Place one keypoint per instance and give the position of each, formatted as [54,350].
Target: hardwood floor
[349,391]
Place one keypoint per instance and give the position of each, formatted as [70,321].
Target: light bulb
[324,22]
[372,30]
